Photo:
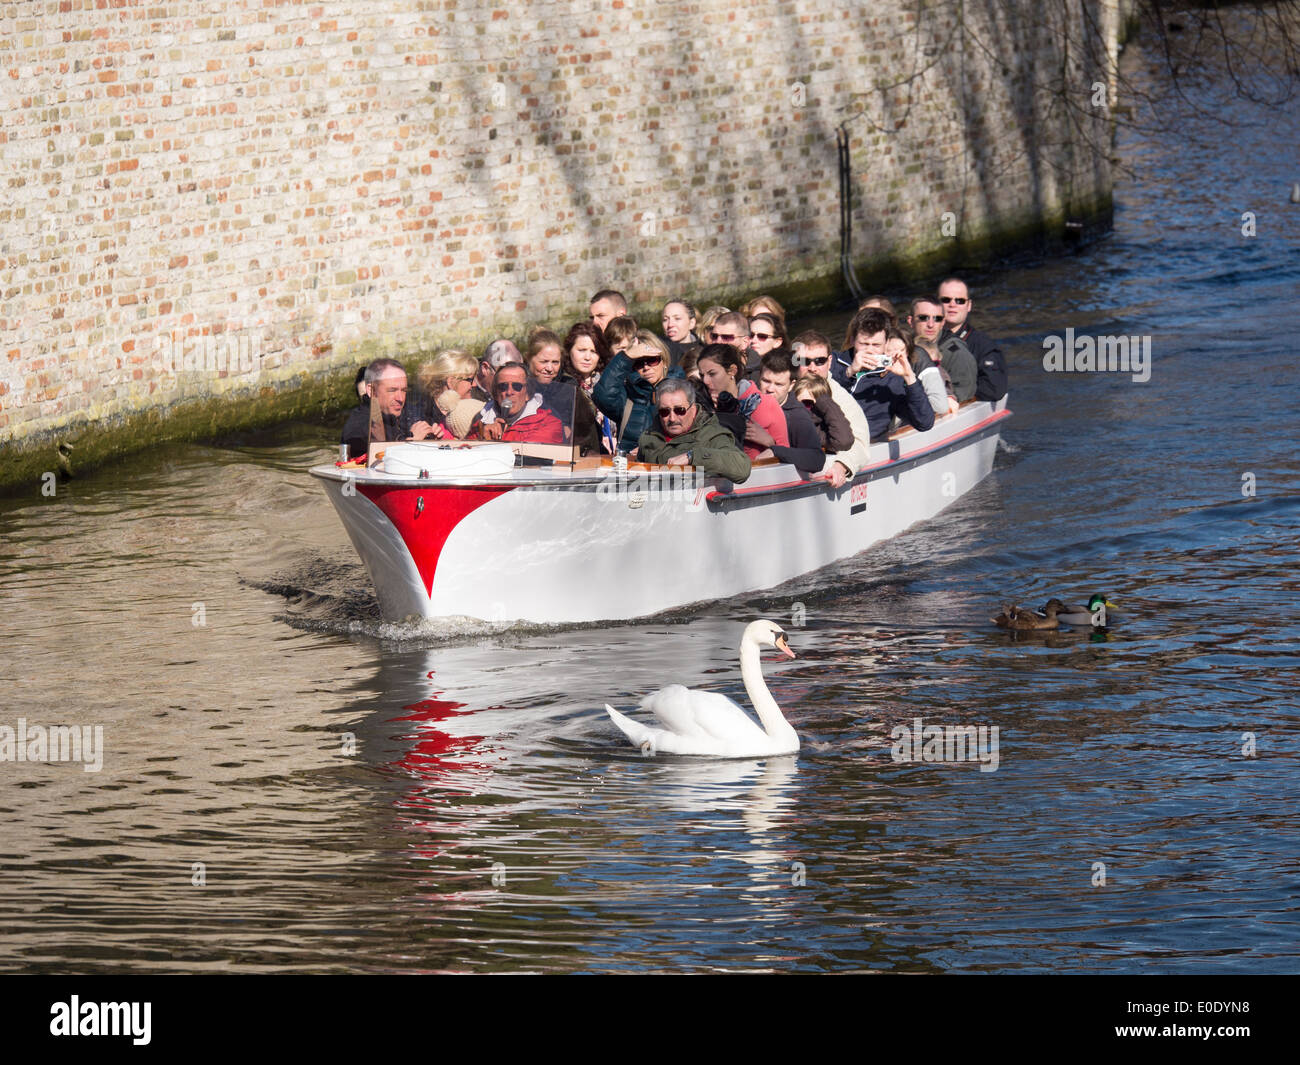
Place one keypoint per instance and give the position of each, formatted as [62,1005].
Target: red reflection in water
[434,746]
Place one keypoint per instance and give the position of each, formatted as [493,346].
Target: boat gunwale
[875,472]
[570,479]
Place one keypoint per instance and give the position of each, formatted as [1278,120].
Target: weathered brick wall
[207,197]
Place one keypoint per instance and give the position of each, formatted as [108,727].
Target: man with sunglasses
[926,320]
[990,363]
[496,355]
[804,453]
[733,328]
[685,435]
[812,355]
[516,411]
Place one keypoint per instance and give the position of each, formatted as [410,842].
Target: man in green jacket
[685,435]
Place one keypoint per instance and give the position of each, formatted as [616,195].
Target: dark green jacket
[709,444]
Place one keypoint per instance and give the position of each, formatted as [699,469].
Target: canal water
[288,784]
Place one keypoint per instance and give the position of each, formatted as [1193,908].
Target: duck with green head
[1093,614]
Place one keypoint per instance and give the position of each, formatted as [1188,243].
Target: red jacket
[767,414]
[542,426]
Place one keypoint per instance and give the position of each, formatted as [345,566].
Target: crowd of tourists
[718,390]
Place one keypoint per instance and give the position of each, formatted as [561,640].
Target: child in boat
[815,394]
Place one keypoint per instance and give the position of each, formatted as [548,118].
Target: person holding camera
[884,387]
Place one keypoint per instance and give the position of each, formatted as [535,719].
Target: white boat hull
[555,547]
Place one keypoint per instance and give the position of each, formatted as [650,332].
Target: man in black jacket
[926,320]
[991,364]
[386,386]
[775,377]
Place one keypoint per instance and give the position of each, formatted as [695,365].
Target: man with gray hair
[495,355]
[500,352]
[685,435]
[382,414]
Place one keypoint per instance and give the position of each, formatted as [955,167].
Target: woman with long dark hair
[721,366]
[585,355]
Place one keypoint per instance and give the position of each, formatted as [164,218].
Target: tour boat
[464,530]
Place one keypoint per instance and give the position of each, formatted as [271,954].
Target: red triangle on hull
[425,529]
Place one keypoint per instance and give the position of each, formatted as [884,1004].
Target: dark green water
[487,817]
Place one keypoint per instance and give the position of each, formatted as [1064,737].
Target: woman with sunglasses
[625,391]
[720,368]
[766,333]
[452,371]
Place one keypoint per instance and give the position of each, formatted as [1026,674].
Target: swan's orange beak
[783,646]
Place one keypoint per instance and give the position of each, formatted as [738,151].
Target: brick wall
[206,198]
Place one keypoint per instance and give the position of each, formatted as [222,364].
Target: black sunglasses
[959,300]
[931,317]
[679,411]
[649,360]
[810,361]
[510,386]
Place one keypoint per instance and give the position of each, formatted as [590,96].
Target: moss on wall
[84,446]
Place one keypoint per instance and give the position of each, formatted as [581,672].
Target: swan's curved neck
[751,672]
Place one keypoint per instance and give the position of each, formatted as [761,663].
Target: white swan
[706,723]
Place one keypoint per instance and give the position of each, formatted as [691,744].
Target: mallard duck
[1093,614]
[1014,617]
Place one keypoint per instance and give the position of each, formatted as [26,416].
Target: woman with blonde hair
[443,384]
[705,324]
[625,391]
[764,305]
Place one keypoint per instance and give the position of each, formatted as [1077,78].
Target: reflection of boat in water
[575,542]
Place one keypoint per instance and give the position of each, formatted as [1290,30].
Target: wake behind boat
[464,531]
